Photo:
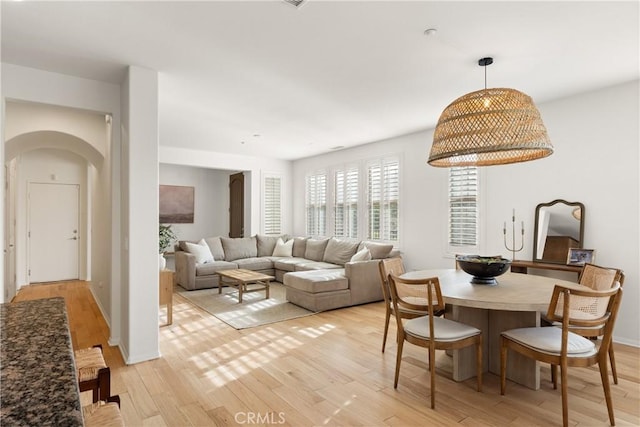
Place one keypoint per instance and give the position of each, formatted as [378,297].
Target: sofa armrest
[364,281]
[185,270]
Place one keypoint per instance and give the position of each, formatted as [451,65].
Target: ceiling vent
[296,3]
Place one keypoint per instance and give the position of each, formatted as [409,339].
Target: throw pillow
[201,251]
[215,245]
[299,247]
[315,249]
[283,248]
[339,251]
[239,247]
[266,244]
[378,250]
[363,255]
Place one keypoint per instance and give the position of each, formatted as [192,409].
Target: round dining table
[516,301]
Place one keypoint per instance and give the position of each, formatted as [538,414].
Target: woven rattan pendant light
[489,127]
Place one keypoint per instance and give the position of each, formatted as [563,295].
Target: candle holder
[513,236]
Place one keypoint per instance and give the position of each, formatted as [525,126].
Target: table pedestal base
[520,369]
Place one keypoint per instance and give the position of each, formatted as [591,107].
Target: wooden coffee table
[241,279]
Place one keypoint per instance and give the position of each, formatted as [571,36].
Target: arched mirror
[559,226]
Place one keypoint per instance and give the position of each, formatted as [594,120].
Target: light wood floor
[325,369]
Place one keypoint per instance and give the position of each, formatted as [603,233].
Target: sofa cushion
[266,244]
[212,267]
[378,250]
[182,244]
[283,249]
[317,281]
[288,264]
[315,249]
[315,265]
[216,247]
[362,255]
[299,247]
[239,247]
[201,251]
[339,251]
[255,263]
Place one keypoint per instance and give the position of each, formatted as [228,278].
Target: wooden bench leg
[104,384]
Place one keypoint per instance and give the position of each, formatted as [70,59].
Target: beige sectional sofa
[319,273]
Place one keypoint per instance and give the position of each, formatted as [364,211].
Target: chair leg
[398,361]
[104,383]
[432,373]
[554,376]
[114,399]
[386,328]
[503,365]
[602,364]
[612,359]
[95,394]
[564,389]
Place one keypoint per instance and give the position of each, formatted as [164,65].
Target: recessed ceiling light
[337,147]
[430,32]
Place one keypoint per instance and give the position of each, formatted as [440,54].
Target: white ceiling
[330,73]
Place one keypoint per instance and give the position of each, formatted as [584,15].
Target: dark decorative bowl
[484,269]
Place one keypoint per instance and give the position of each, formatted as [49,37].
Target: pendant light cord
[485,62]
[485,77]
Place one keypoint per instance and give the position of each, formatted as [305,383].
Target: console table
[518,266]
[166,293]
[38,375]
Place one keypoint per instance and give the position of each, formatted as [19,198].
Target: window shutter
[463,206]
[316,202]
[272,205]
[383,193]
[346,203]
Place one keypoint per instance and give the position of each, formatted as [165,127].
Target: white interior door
[53,232]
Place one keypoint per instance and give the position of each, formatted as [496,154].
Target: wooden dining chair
[596,278]
[564,348]
[93,373]
[432,332]
[395,266]
[104,413]
[388,266]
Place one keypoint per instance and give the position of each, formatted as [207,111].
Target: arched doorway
[51,182]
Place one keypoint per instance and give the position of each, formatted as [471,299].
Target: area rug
[255,310]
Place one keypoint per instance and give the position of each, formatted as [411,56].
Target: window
[383,190]
[357,201]
[316,204]
[346,203]
[463,207]
[272,205]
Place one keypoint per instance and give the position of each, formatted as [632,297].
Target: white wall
[211,204]
[25,117]
[140,290]
[595,162]
[253,168]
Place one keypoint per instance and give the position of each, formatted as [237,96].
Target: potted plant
[165,237]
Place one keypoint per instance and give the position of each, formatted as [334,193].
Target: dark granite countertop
[38,383]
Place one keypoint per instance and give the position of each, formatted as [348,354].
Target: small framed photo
[578,256]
